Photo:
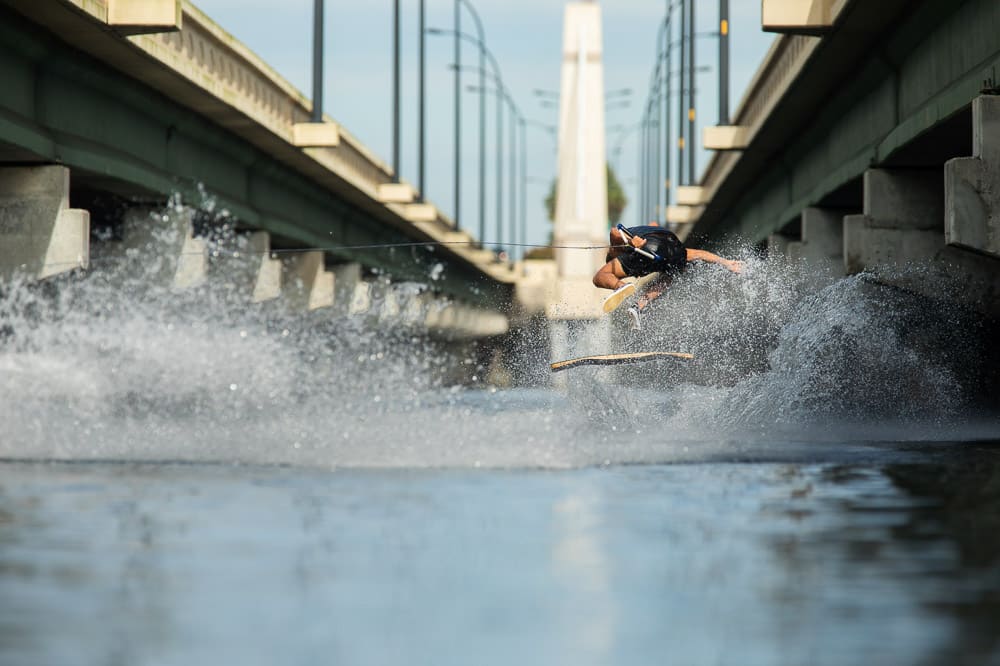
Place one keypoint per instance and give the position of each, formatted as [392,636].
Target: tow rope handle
[628,236]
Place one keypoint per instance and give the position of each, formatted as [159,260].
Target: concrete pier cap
[691,195]
[684,214]
[137,17]
[803,17]
[401,193]
[40,235]
[316,135]
[725,137]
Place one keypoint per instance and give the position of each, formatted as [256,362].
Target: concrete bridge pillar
[306,284]
[901,222]
[159,246]
[904,221]
[40,235]
[392,302]
[822,244]
[415,311]
[250,270]
[972,185]
[353,296]
[265,270]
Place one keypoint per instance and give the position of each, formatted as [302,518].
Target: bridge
[112,107]
[868,139]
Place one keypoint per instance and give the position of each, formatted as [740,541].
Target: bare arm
[703,255]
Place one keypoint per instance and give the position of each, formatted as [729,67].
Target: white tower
[582,201]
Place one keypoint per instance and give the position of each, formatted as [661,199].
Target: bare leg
[654,291]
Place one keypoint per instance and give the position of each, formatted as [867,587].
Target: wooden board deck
[619,359]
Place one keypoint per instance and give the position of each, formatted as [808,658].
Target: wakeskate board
[619,359]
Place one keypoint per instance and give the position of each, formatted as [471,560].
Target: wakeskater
[641,251]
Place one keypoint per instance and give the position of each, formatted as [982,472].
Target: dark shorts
[670,249]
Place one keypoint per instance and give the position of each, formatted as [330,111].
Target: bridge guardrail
[211,72]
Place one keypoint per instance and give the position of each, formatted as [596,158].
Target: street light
[458,114]
[723,62]
[395,91]
[481,42]
[483,53]
[317,100]
[482,145]
[421,108]
[501,97]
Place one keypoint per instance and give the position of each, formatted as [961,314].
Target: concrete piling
[40,235]
[306,284]
[972,185]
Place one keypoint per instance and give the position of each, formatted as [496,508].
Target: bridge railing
[199,65]
[219,64]
[783,61]
[778,70]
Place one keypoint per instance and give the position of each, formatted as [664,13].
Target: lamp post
[681,100]
[723,62]
[666,57]
[482,116]
[524,186]
[691,68]
[458,115]
[421,108]
[483,52]
[502,95]
[317,100]
[395,91]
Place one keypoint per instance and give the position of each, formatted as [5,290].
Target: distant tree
[616,198]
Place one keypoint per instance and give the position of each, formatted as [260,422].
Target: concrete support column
[778,244]
[417,306]
[306,284]
[40,235]
[901,222]
[822,244]
[353,296]
[159,246]
[266,276]
[972,185]
[249,270]
[393,300]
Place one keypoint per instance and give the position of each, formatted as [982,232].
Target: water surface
[188,479]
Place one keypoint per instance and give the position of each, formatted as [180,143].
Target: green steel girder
[891,72]
[58,105]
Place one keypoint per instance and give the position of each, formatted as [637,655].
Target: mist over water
[111,365]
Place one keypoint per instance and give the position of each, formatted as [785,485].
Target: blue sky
[526,38]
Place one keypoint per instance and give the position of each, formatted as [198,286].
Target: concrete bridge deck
[870,137]
[137,101]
